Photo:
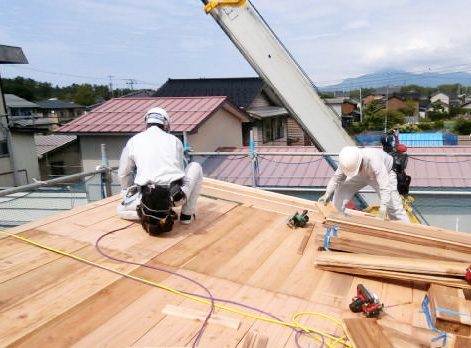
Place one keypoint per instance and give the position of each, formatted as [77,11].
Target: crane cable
[295,324]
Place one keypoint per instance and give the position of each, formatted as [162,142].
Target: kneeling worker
[359,168]
[160,181]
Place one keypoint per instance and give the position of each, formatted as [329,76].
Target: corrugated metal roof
[13,101]
[268,111]
[23,207]
[439,171]
[421,139]
[12,55]
[283,171]
[46,143]
[311,171]
[58,104]
[126,115]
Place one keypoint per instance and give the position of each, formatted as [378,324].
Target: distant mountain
[401,78]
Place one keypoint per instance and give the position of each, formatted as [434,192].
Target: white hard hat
[350,160]
[158,116]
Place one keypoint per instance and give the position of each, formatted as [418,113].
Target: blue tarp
[421,139]
[412,139]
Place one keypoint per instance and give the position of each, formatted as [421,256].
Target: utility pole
[386,114]
[111,85]
[361,107]
[131,82]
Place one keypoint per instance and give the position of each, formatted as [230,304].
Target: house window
[273,128]
[3,148]
[58,168]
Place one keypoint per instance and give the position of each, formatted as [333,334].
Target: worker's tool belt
[399,166]
[155,210]
[403,183]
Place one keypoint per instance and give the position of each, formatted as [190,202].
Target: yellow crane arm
[213,4]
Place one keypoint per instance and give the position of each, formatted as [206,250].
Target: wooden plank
[46,304]
[282,206]
[403,276]
[117,330]
[390,263]
[354,242]
[303,279]
[271,234]
[214,257]
[365,333]
[307,236]
[190,247]
[448,322]
[189,313]
[397,230]
[26,257]
[63,215]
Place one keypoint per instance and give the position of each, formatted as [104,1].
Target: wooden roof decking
[239,247]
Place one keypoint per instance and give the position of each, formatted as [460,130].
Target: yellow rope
[306,329]
[248,315]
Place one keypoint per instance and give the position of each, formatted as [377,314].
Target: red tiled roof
[126,115]
[312,171]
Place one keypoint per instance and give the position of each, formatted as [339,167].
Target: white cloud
[357,24]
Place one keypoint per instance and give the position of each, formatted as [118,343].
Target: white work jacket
[157,157]
[377,166]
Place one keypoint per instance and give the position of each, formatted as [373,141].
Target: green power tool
[298,220]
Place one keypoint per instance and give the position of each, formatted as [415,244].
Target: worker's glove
[325,198]
[381,214]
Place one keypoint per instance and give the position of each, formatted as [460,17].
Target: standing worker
[359,168]
[160,180]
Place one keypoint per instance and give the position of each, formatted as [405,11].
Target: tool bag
[399,166]
[155,209]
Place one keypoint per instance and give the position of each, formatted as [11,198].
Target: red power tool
[467,276]
[366,302]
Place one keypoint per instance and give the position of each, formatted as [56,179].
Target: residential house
[210,122]
[19,108]
[271,122]
[60,112]
[382,93]
[346,108]
[438,106]
[18,162]
[440,96]
[467,108]
[58,155]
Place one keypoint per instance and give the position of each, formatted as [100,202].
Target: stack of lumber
[448,273]
[390,249]
[450,310]
[362,333]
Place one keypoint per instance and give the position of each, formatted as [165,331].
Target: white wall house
[210,122]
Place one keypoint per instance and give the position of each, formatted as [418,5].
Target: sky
[149,41]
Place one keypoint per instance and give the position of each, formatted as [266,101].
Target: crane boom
[274,64]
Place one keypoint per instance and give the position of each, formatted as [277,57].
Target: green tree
[409,108]
[84,95]
[462,126]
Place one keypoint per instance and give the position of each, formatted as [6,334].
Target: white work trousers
[345,192]
[191,187]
